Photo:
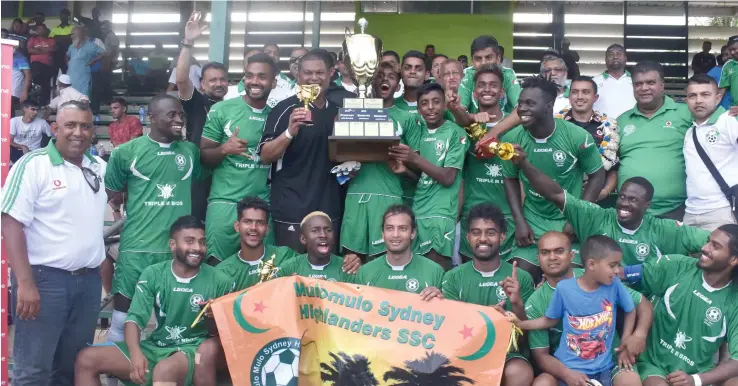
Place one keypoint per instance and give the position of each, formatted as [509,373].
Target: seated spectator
[66,93]
[41,49]
[125,127]
[26,132]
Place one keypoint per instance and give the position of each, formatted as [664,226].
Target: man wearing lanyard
[53,210]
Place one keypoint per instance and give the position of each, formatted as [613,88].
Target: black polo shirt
[301,181]
[196,109]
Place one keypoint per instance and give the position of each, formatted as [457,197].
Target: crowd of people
[615,193]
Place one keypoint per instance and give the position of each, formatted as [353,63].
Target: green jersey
[536,307]
[691,320]
[566,156]
[246,273]
[466,284]
[300,265]
[237,176]
[377,177]
[418,274]
[483,181]
[176,302]
[652,238]
[729,79]
[402,104]
[659,140]
[444,147]
[158,180]
[509,84]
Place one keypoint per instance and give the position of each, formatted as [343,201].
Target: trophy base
[360,149]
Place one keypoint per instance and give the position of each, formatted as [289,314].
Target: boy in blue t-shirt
[587,306]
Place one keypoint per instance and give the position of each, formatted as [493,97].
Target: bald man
[316,234]
[555,258]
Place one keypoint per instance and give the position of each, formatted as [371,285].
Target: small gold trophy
[476,131]
[267,269]
[494,148]
[307,93]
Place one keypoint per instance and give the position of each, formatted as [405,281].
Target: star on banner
[259,307]
[466,332]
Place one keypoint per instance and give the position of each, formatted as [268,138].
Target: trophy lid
[363,23]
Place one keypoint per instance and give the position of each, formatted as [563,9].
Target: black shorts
[288,235]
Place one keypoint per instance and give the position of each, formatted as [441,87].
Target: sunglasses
[92,179]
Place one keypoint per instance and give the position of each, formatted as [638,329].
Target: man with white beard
[555,69]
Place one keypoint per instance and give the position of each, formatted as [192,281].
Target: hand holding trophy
[307,93]
[267,269]
[494,148]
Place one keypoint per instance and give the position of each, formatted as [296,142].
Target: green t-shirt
[377,177]
[246,273]
[158,180]
[729,79]
[536,307]
[466,284]
[445,147]
[404,105]
[652,148]
[175,302]
[691,319]
[417,275]
[301,266]
[483,181]
[509,84]
[237,176]
[653,237]
[566,156]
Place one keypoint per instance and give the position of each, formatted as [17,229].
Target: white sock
[115,333]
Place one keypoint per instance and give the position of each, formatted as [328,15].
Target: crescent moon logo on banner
[241,320]
[489,341]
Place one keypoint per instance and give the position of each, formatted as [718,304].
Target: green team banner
[302,331]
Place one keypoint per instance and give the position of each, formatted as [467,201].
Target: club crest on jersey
[501,293]
[559,158]
[412,285]
[712,136]
[642,250]
[713,315]
[629,129]
[195,301]
[166,191]
[439,148]
[180,161]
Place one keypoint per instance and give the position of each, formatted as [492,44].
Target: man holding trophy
[295,143]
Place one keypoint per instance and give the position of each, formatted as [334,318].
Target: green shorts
[128,268]
[361,228]
[505,248]
[223,240]
[155,354]
[435,233]
[646,370]
[516,355]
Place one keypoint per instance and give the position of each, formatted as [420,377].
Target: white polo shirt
[616,95]
[63,217]
[718,137]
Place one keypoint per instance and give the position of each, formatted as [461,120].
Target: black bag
[730,192]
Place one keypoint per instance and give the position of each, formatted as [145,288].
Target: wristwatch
[183,44]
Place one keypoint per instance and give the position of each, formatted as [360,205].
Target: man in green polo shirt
[640,235]
[399,269]
[229,141]
[486,280]
[485,50]
[729,76]
[555,257]
[651,141]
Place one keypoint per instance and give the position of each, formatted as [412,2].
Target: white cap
[64,78]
